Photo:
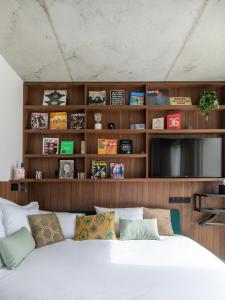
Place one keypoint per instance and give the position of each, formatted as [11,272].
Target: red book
[173,121]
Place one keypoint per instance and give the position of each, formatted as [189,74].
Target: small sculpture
[98,118]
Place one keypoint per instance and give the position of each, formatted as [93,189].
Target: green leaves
[208,102]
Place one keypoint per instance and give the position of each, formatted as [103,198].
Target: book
[158,123]
[137,98]
[173,121]
[39,120]
[116,170]
[66,169]
[82,147]
[97,97]
[158,97]
[137,126]
[98,169]
[117,97]
[58,120]
[126,147]
[67,147]
[77,120]
[107,146]
[50,146]
[54,97]
[180,101]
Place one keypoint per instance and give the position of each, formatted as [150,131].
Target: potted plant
[208,102]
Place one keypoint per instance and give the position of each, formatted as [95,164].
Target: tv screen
[186,157]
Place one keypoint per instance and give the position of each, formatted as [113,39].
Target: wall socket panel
[179,199]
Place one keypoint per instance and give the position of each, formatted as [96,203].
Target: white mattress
[174,268]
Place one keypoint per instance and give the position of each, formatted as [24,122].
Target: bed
[175,267]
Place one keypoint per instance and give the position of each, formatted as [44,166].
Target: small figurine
[98,118]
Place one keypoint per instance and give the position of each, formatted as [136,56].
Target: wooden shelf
[54,131]
[49,108]
[117,155]
[116,131]
[186,131]
[67,156]
[177,107]
[115,107]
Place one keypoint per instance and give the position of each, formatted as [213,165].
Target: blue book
[137,98]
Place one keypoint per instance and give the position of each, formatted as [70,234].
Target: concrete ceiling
[114,40]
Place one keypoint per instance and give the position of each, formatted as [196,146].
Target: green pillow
[139,229]
[1,263]
[14,248]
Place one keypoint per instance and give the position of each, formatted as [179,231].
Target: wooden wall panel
[18,197]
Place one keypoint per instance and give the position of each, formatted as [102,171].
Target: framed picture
[66,169]
[50,146]
[158,123]
[54,97]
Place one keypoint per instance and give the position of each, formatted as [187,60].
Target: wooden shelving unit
[137,165]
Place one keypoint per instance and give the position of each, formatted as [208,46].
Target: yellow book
[58,120]
[107,146]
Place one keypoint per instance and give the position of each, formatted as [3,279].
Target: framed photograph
[158,123]
[39,120]
[50,146]
[66,169]
[54,97]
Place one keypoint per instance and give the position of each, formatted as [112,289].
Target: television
[186,157]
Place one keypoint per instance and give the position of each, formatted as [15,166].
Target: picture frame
[66,169]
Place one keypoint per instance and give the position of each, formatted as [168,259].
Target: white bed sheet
[174,268]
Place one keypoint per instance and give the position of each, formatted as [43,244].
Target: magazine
[116,170]
[50,146]
[77,121]
[66,169]
[39,120]
[98,169]
[107,146]
[58,120]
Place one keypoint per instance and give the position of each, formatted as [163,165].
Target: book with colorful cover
[54,97]
[58,120]
[116,170]
[158,97]
[126,147]
[97,97]
[98,169]
[39,120]
[107,146]
[67,147]
[77,121]
[137,98]
[173,121]
[50,146]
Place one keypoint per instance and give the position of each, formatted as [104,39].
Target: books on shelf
[126,147]
[97,97]
[117,97]
[66,169]
[50,146]
[158,123]
[173,121]
[116,170]
[58,120]
[77,120]
[39,120]
[137,98]
[107,146]
[137,126]
[158,97]
[54,97]
[67,147]
[98,169]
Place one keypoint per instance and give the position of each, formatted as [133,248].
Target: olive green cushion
[15,247]
[139,229]
[1,263]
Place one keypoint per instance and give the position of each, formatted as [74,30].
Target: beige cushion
[46,229]
[163,218]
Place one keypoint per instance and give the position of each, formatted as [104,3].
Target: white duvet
[174,268]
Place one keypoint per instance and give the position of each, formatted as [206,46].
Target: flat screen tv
[186,157]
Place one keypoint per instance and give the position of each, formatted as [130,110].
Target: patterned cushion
[46,229]
[100,226]
[163,219]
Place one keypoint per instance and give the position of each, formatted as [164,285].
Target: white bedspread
[174,268]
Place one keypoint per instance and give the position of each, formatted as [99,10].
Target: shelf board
[54,131]
[212,210]
[116,131]
[117,155]
[115,107]
[177,107]
[49,108]
[185,131]
[67,156]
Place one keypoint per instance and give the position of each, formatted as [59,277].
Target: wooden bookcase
[137,165]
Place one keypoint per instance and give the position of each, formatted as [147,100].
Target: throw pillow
[46,229]
[100,226]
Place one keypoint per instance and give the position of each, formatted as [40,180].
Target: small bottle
[16,171]
[22,172]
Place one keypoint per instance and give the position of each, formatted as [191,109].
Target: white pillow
[130,213]
[68,223]
[15,217]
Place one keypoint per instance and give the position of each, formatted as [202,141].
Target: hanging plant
[208,102]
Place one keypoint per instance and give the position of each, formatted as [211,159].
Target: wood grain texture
[18,197]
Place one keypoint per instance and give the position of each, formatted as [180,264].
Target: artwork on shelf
[158,123]
[39,120]
[126,147]
[50,146]
[116,170]
[67,147]
[66,169]
[117,97]
[137,98]
[98,118]
[107,146]
[173,121]
[54,97]
[180,101]
[97,97]
[137,126]
[82,147]
[58,120]
[77,120]
[98,169]
[158,97]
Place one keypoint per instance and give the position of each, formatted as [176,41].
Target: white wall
[11,116]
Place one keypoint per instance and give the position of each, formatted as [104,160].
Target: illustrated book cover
[54,97]
[50,146]
[173,121]
[67,147]
[126,147]
[116,170]
[66,169]
[97,97]
[107,146]
[98,169]
[58,120]
[137,98]
[77,121]
[158,123]
[39,120]
[117,97]
[158,97]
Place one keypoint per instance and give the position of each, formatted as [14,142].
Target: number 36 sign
[173,121]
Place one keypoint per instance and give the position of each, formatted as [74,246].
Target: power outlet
[179,199]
